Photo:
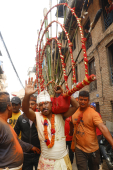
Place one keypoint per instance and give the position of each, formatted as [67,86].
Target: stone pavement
[74,167]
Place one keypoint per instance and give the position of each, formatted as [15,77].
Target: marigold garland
[48,142]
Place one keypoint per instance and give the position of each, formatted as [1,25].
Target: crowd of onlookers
[26,131]
[83,131]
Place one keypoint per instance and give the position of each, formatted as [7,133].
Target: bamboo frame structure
[40,52]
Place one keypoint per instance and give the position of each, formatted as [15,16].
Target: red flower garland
[48,142]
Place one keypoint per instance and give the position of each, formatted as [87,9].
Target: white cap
[43,97]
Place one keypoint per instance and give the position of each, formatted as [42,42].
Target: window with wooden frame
[92,70]
[87,4]
[112,105]
[86,32]
[110,53]
[76,72]
[74,44]
[107,13]
[97,107]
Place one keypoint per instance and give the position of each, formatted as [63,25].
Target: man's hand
[29,87]
[58,89]
[29,90]
[36,150]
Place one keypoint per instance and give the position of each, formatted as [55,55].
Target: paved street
[74,164]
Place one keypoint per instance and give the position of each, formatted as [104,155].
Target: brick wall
[98,50]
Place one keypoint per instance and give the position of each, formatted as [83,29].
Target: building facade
[99,47]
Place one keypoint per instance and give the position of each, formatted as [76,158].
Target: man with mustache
[50,129]
[85,121]
[16,104]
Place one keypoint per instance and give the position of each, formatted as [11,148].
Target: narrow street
[56,85]
[74,164]
[74,167]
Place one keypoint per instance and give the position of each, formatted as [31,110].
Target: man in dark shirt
[28,134]
[11,153]
[16,104]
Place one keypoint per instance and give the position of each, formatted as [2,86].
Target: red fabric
[98,132]
[111,8]
[67,129]
[60,104]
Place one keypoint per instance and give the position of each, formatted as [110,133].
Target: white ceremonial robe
[52,157]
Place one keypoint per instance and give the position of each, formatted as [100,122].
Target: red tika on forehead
[44,102]
[32,99]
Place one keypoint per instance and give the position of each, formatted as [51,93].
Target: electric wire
[11,60]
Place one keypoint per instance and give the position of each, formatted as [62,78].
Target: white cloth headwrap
[43,97]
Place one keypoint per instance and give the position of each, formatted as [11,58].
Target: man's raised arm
[106,133]
[29,90]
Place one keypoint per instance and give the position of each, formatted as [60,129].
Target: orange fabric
[86,138]
[73,144]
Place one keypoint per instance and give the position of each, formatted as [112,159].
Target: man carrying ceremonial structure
[50,129]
